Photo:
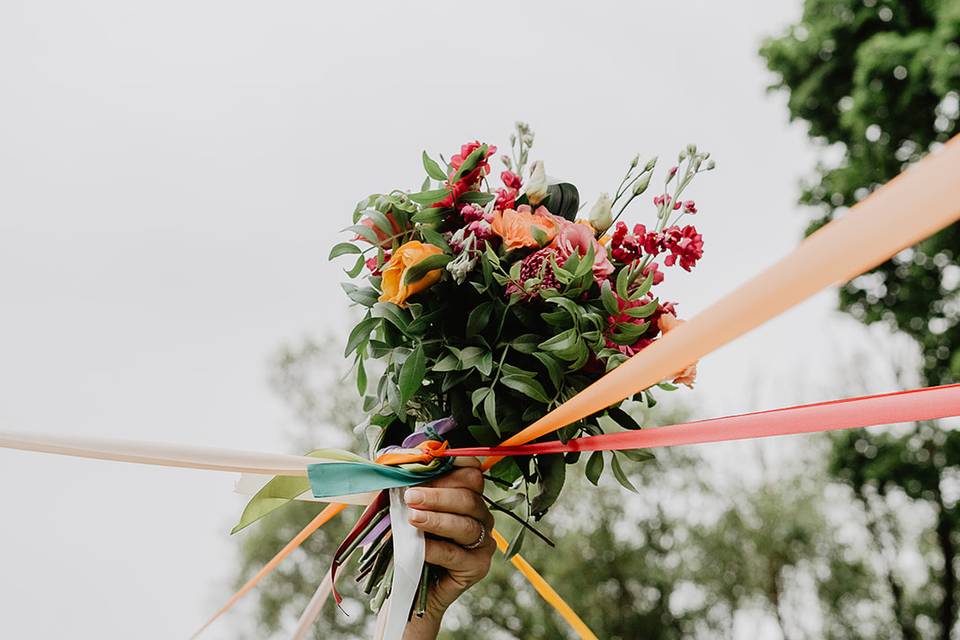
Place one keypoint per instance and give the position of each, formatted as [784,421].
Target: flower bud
[692,149]
[634,162]
[711,165]
[536,188]
[601,215]
[650,164]
[642,184]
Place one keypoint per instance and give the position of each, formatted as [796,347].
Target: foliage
[879,81]
[495,306]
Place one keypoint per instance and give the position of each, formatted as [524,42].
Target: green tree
[877,83]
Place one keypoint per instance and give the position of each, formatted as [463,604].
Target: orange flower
[394,272]
[516,226]
[688,375]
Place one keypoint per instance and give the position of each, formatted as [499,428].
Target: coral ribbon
[850,413]
[909,208]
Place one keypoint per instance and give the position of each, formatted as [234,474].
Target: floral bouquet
[486,307]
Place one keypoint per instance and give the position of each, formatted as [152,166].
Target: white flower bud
[642,184]
[601,214]
[536,187]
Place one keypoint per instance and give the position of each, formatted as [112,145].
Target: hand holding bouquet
[486,307]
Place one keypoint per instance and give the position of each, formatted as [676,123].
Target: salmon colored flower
[515,226]
[688,375]
[383,237]
[394,272]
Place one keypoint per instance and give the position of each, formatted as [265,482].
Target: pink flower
[690,207]
[511,180]
[471,213]
[575,237]
[506,199]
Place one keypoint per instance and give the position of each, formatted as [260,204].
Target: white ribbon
[408,555]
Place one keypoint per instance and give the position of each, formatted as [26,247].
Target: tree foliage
[877,83]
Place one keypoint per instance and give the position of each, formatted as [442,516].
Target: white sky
[172,175]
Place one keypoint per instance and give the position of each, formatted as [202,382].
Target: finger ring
[480,539]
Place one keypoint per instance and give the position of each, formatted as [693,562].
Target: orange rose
[516,226]
[688,375]
[394,272]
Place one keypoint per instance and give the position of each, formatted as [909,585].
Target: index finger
[466,461]
[463,477]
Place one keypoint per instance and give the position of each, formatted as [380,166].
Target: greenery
[877,83]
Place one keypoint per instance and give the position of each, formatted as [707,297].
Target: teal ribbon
[345,478]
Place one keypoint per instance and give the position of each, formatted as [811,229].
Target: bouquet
[484,307]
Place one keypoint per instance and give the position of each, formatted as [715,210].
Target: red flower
[506,199]
[511,180]
[469,180]
[627,247]
[685,245]
[374,264]
[652,332]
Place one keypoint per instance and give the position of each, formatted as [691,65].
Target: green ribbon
[344,478]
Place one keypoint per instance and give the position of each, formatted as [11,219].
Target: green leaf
[471,356]
[623,281]
[563,200]
[449,362]
[360,334]
[477,197]
[425,266]
[485,365]
[364,232]
[432,215]
[432,236]
[361,377]
[553,367]
[553,471]
[645,286]
[470,162]
[490,410]
[343,248]
[432,168]
[620,475]
[539,235]
[427,198]
[411,374]
[354,271]
[622,418]
[637,455]
[527,386]
[609,300]
[594,467]
[514,547]
[365,296]
[560,342]
[527,343]
[478,396]
[643,311]
[479,318]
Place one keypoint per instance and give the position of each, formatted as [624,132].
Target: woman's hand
[452,512]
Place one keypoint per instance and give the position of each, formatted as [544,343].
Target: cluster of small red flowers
[649,335]
[507,195]
[684,244]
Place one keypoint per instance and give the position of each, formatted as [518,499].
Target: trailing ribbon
[851,413]
[912,206]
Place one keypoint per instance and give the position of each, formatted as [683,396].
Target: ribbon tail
[313,609]
[408,556]
[546,591]
[321,519]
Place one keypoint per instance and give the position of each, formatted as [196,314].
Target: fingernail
[418,516]
[413,496]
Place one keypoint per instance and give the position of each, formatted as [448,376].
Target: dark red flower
[648,336]
[375,266]
[537,265]
[627,247]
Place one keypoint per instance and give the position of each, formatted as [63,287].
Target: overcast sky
[172,175]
